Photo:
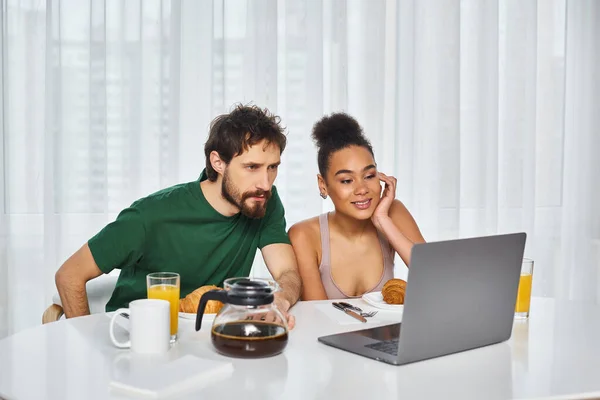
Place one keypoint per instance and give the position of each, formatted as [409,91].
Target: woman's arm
[303,243]
[396,223]
[401,231]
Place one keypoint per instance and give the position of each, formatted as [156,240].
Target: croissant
[189,304]
[393,291]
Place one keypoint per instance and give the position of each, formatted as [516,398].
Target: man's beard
[250,209]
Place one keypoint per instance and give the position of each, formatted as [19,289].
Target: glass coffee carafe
[249,325]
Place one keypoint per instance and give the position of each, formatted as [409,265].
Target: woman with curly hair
[350,251]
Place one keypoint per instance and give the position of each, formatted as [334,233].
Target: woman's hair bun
[337,130]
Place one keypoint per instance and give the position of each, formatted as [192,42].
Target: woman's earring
[324,196]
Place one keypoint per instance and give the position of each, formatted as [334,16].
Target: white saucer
[206,317]
[376,300]
[183,315]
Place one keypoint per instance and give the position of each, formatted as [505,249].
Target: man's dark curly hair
[336,132]
[233,133]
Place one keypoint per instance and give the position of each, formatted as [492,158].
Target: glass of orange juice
[524,293]
[165,286]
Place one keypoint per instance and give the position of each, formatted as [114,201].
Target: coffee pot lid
[248,292]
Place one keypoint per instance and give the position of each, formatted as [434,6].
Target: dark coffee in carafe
[249,339]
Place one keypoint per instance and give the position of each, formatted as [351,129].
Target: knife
[350,312]
[350,306]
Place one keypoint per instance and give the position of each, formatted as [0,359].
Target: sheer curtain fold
[485,111]
[580,229]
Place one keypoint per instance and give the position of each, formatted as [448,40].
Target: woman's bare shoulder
[306,230]
[305,237]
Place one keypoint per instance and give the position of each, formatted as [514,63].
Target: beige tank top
[331,288]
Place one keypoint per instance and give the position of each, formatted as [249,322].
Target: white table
[556,354]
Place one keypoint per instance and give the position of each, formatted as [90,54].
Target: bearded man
[207,230]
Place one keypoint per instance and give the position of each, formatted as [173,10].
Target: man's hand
[284,305]
[281,262]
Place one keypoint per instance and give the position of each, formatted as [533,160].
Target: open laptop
[460,295]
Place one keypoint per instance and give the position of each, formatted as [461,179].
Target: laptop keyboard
[388,346]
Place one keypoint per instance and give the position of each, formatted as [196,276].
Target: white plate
[376,300]
[206,317]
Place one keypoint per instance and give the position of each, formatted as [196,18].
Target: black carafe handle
[216,294]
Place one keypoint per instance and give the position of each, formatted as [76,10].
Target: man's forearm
[73,297]
[291,285]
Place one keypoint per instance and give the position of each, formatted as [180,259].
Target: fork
[368,314]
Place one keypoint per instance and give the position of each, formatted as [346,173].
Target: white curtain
[487,112]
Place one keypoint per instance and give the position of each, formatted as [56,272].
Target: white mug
[149,326]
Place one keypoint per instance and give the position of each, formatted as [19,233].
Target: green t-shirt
[177,230]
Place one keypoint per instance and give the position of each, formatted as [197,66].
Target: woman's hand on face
[387,198]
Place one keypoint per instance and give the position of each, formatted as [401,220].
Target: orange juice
[171,294]
[524,294]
